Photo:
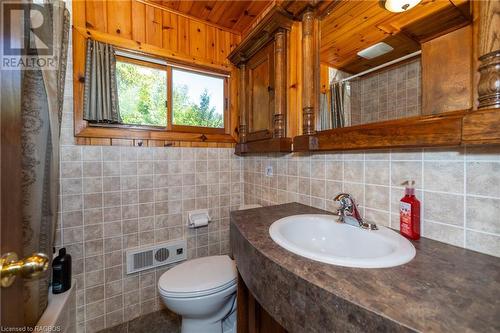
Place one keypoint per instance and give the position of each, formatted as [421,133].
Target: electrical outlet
[269,171]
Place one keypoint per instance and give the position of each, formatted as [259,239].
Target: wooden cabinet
[260,93]
[262,61]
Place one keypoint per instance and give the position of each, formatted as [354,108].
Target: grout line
[445,224]
[390,190]
[364,186]
[483,232]
[84,252]
[422,203]
[465,198]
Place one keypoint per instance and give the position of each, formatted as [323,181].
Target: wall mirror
[375,64]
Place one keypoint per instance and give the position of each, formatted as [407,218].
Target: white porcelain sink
[322,238]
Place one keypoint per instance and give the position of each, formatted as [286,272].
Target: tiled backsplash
[391,93]
[459,189]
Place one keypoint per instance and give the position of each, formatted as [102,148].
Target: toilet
[203,292]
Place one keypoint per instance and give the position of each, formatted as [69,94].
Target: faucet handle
[348,206]
[342,197]
[346,203]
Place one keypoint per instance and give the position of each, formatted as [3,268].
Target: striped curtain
[100,103]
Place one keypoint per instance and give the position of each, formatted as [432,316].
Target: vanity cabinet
[262,61]
[252,317]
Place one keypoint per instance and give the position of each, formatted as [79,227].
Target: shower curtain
[42,100]
[335,105]
[338,92]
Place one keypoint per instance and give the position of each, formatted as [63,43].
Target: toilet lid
[199,275]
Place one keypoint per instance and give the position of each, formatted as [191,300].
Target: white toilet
[203,292]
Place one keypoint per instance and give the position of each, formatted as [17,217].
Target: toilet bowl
[203,292]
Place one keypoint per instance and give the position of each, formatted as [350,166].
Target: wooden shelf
[275,145]
[424,131]
[481,127]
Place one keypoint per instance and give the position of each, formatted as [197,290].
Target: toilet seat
[202,293]
[198,277]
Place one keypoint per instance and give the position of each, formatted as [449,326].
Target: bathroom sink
[322,238]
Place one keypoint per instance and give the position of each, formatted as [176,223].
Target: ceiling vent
[375,50]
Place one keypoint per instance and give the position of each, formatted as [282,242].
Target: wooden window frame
[86,130]
[169,114]
[197,129]
[147,64]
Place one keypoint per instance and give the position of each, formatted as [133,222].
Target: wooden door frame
[11,239]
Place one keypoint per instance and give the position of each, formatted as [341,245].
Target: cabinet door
[261,93]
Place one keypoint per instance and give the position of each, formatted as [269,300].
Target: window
[198,100]
[145,85]
[142,92]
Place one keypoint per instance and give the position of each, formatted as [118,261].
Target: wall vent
[139,259]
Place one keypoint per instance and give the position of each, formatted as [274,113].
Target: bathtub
[60,315]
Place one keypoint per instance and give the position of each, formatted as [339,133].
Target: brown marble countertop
[443,289]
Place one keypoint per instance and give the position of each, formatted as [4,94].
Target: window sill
[139,134]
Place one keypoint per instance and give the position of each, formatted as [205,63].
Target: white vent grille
[143,259]
[139,259]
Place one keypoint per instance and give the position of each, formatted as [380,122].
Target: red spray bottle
[409,212]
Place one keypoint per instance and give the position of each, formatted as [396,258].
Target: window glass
[142,94]
[198,99]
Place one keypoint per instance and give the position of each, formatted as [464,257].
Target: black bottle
[61,272]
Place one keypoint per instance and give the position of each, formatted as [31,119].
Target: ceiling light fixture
[399,6]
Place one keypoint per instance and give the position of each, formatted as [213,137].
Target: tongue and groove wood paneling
[235,15]
[147,27]
[148,23]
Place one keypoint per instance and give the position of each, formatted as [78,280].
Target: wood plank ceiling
[234,15]
[352,26]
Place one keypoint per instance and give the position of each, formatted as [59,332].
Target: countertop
[443,289]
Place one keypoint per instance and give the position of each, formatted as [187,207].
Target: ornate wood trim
[489,81]
[243,128]
[489,54]
[308,58]
[280,84]
[276,19]
[269,39]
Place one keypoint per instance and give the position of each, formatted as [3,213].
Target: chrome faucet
[349,213]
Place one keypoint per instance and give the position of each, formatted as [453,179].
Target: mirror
[371,63]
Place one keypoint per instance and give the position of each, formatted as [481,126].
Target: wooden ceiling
[352,26]
[235,15]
